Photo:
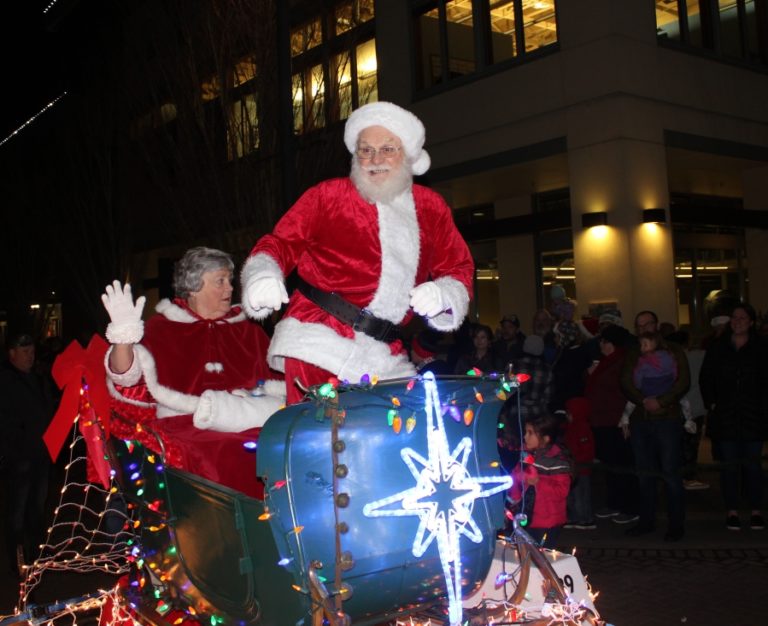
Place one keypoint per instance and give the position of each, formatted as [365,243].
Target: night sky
[31,62]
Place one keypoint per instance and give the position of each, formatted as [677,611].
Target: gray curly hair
[189,269]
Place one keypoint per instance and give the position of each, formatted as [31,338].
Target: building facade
[618,149]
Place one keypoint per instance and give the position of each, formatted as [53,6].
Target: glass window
[461,38]
[350,14]
[539,24]
[243,127]
[695,35]
[668,19]
[367,77]
[428,36]
[243,71]
[298,103]
[450,42]
[728,28]
[306,37]
[342,73]
[503,37]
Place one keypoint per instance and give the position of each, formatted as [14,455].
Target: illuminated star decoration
[442,518]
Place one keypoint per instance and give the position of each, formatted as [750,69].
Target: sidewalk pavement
[713,576]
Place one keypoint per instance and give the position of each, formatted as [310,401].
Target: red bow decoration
[73,369]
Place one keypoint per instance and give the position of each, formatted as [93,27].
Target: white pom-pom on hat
[402,123]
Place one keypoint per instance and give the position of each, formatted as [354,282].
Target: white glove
[690,427]
[126,325]
[427,299]
[266,293]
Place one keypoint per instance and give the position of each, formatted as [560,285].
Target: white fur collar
[175,313]
[399,239]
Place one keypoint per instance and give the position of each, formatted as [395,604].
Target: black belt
[360,319]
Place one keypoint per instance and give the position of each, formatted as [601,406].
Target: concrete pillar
[517,266]
[626,262]
[755,196]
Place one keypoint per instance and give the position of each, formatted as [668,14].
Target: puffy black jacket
[734,386]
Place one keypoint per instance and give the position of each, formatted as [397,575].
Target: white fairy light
[33,118]
[50,6]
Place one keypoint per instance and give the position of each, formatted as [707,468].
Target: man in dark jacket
[656,432]
[26,407]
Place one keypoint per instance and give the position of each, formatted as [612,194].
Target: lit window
[243,71]
[539,24]
[306,37]
[350,14]
[340,74]
[503,35]
[367,82]
[508,29]
[243,131]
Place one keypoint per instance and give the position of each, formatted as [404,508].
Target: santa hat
[402,123]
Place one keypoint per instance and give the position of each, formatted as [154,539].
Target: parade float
[382,504]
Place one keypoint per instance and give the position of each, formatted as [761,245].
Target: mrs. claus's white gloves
[126,325]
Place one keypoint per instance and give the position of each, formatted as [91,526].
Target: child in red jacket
[581,444]
[542,480]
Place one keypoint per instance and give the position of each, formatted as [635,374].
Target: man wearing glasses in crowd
[370,250]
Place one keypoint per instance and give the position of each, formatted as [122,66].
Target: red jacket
[604,392]
[578,435]
[553,467]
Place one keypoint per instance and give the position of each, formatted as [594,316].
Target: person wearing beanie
[370,250]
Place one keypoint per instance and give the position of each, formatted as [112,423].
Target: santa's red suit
[372,255]
[184,362]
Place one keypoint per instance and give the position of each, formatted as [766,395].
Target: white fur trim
[125,332]
[258,266]
[175,313]
[402,123]
[274,388]
[456,301]
[214,367]
[129,377]
[347,358]
[399,238]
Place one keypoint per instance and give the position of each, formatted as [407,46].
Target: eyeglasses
[368,152]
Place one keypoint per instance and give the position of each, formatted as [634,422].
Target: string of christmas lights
[90,533]
[50,6]
[33,118]
[96,530]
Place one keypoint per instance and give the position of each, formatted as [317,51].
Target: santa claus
[370,250]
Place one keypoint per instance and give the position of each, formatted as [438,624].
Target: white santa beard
[398,181]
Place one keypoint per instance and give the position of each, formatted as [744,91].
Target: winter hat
[533,345]
[510,317]
[568,332]
[611,316]
[402,123]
